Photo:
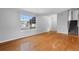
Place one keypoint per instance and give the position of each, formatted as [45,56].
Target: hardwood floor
[50,41]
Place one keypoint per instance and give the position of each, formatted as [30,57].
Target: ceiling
[44,11]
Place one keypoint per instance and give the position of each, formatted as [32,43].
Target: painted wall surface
[62,22]
[42,24]
[47,23]
[51,22]
[9,25]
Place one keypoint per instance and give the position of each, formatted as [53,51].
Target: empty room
[39,29]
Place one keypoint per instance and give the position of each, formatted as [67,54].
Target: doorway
[73,28]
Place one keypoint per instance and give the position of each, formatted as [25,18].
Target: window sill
[27,29]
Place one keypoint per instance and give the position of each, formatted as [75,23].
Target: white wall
[47,23]
[50,22]
[42,24]
[62,22]
[9,25]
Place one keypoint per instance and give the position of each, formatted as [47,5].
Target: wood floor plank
[50,41]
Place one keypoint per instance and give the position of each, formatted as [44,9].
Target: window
[27,22]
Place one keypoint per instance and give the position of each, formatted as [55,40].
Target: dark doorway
[73,28]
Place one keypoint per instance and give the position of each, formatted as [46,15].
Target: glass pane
[27,22]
